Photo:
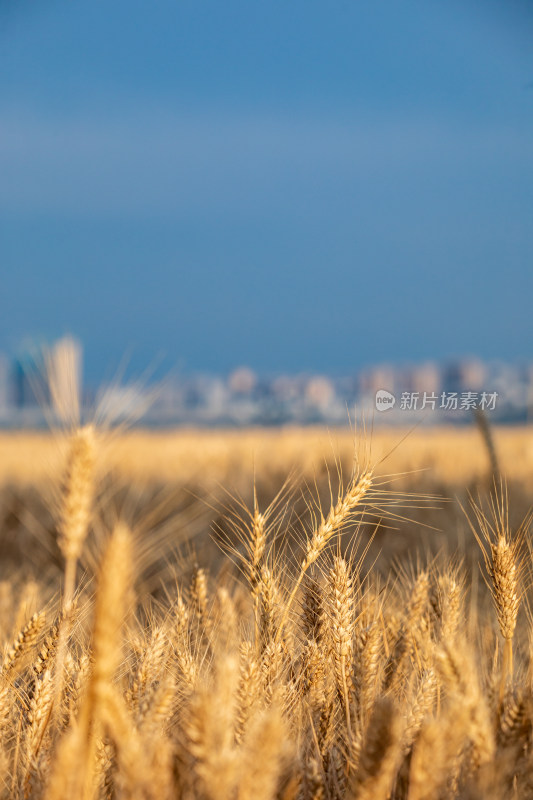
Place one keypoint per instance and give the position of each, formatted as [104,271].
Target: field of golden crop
[265,614]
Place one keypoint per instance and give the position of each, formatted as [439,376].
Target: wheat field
[265,614]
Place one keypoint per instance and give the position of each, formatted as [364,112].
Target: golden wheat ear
[339,515]
[340,614]
[503,556]
[19,652]
[74,520]
[210,753]
[76,504]
[380,755]
[100,705]
[113,599]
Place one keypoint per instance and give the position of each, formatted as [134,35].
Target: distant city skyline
[298,187]
[43,383]
[160,367]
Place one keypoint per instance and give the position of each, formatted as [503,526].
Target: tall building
[372,379]
[320,392]
[426,378]
[4,383]
[28,378]
[242,381]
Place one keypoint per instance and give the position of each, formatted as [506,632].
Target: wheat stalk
[75,511]
[503,562]
[328,527]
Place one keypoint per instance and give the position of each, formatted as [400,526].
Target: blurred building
[29,388]
[320,392]
[375,378]
[426,378]
[118,403]
[242,381]
[286,388]
[465,375]
[4,383]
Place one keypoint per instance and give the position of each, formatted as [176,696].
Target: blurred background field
[178,488]
[448,455]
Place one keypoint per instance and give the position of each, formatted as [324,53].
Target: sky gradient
[302,186]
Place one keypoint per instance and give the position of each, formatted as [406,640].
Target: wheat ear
[337,517]
[256,551]
[75,513]
[210,733]
[112,600]
[380,754]
[503,562]
[341,616]
[22,645]
[261,761]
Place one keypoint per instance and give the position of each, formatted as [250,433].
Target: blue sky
[289,185]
